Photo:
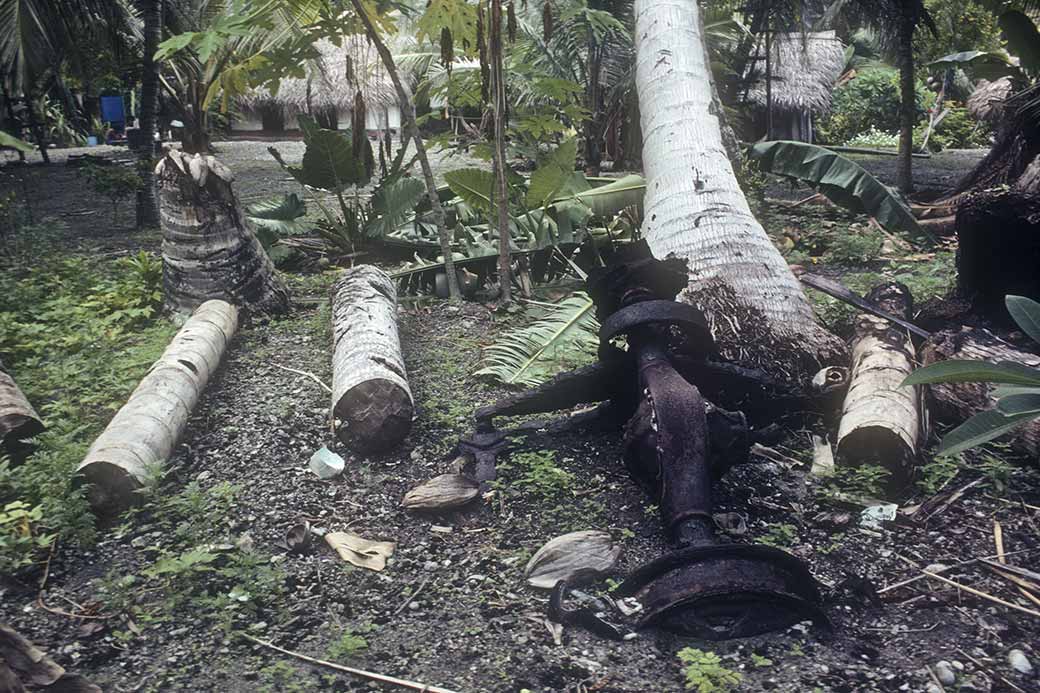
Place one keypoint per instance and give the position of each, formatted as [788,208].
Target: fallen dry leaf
[565,557]
[364,553]
[442,493]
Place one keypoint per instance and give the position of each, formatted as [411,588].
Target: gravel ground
[452,608]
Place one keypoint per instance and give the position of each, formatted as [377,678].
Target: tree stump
[208,251]
[372,404]
[881,420]
[18,419]
[999,250]
[956,402]
[142,435]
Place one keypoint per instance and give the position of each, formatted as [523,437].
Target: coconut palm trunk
[696,210]
[147,197]
[907,103]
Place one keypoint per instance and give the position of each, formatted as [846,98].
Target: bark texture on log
[998,250]
[142,435]
[208,251]
[372,404]
[956,402]
[18,419]
[881,421]
[695,208]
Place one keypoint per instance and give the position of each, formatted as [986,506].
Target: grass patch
[77,333]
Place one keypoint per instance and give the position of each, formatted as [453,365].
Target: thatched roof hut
[986,103]
[332,80]
[804,69]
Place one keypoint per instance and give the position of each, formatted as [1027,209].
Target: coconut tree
[147,199]
[695,208]
[897,22]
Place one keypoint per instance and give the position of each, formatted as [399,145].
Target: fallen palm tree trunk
[957,402]
[142,435]
[881,420]
[18,419]
[372,405]
[208,251]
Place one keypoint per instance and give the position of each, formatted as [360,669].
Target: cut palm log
[142,435]
[881,421]
[18,419]
[372,405]
[954,403]
[208,251]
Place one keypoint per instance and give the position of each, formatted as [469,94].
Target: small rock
[933,688]
[945,673]
[327,464]
[1020,663]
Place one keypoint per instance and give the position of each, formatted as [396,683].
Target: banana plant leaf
[606,200]
[550,177]
[989,65]
[7,140]
[1026,313]
[564,337]
[843,181]
[1022,38]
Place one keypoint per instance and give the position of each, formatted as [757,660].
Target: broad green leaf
[959,371]
[458,16]
[608,200]
[843,181]
[279,215]
[552,174]
[174,44]
[1022,38]
[7,140]
[565,337]
[328,161]
[1026,313]
[1001,391]
[1027,403]
[991,65]
[473,185]
[207,43]
[979,429]
[394,204]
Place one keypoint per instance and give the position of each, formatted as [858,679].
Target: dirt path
[452,608]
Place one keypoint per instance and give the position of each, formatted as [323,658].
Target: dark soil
[471,623]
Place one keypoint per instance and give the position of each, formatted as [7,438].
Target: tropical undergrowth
[77,333]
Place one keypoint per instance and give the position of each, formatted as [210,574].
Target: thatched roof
[804,68]
[987,101]
[329,83]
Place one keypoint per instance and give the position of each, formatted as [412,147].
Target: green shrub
[114,182]
[958,130]
[869,100]
[704,672]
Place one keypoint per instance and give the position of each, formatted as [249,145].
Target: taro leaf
[991,65]
[979,429]
[473,185]
[442,493]
[7,140]
[551,176]
[1022,38]
[280,216]
[843,181]
[575,555]
[567,335]
[328,163]
[359,551]
[1026,313]
[394,204]
[961,371]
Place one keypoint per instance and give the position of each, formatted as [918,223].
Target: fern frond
[564,337]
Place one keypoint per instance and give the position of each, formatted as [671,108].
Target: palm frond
[564,337]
